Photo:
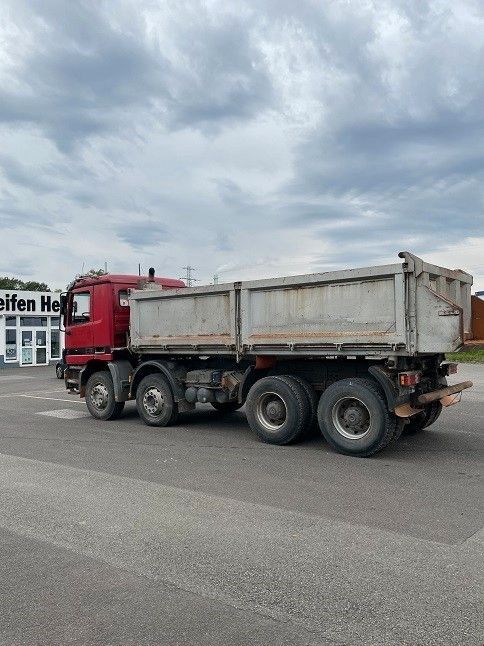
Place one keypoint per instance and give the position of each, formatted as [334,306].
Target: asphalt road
[116,533]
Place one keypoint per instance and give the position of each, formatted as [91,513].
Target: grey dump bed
[410,307]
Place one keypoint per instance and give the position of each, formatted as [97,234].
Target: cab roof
[124,279]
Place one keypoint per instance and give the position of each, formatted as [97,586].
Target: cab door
[79,332]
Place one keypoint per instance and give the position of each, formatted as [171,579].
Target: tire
[59,371]
[423,420]
[277,410]
[311,398]
[354,418]
[155,402]
[226,407]
[100,397]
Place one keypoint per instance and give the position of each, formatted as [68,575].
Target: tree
[34,286]
[92,273]
[7,282]
[95,272]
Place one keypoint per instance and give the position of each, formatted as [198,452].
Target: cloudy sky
[248,138]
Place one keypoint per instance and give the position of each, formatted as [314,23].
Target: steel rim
[153,401]
[100,397]
[271,411]
[351,418]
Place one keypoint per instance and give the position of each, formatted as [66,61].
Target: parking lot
[117,533]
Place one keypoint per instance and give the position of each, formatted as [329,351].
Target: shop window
[10,345]
[33,321]
[55,344]
[81,308]
[11,321]
[54,321]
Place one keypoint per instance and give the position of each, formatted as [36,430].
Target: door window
[81,308]
[27,350]
[40,347]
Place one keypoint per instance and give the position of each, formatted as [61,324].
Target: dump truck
[356,354]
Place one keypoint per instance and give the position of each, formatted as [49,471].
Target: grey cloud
[223,241]
[22,267]
[15,216]
[20,174]
[86,77]
[226,81]
[143,234]
[232,195]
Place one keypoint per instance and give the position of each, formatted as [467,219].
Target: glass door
[27,354]
[34,348]
[40,347]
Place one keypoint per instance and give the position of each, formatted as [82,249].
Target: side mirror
[63,303]
[63,312]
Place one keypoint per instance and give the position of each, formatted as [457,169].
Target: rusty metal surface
[427,398]
[335,309]
[406,410]
[376,311]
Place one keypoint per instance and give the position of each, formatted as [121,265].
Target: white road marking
[56,399]
[66,413]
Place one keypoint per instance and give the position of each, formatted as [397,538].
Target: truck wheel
[277,410]
[354,418]
[424,419]
[100,397]
[155,402]
[226,407]
[311,398]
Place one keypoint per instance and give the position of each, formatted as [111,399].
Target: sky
[247,139]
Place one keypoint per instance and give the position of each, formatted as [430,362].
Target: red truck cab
[96,320]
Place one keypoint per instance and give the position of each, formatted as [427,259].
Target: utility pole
[215,279]
[188,278]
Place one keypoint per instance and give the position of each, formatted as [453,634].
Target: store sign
[29,302]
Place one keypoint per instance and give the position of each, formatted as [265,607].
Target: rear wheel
[155,402]
[311,399]
[423,420]
[226,407]
[100,399]
[277,410]
[354,417]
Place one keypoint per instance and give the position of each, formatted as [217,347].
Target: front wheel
[155,402]
[354,418]
[100,399]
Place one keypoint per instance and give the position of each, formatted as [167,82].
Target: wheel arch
[386,384]
[154,367]
[89,369]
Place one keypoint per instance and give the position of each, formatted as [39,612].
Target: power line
[189,278]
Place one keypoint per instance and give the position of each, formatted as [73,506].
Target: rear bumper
[428,398]
[447,396]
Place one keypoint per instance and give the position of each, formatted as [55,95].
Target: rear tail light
[449,368]
[409,378]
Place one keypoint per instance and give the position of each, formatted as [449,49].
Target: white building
[29,328]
